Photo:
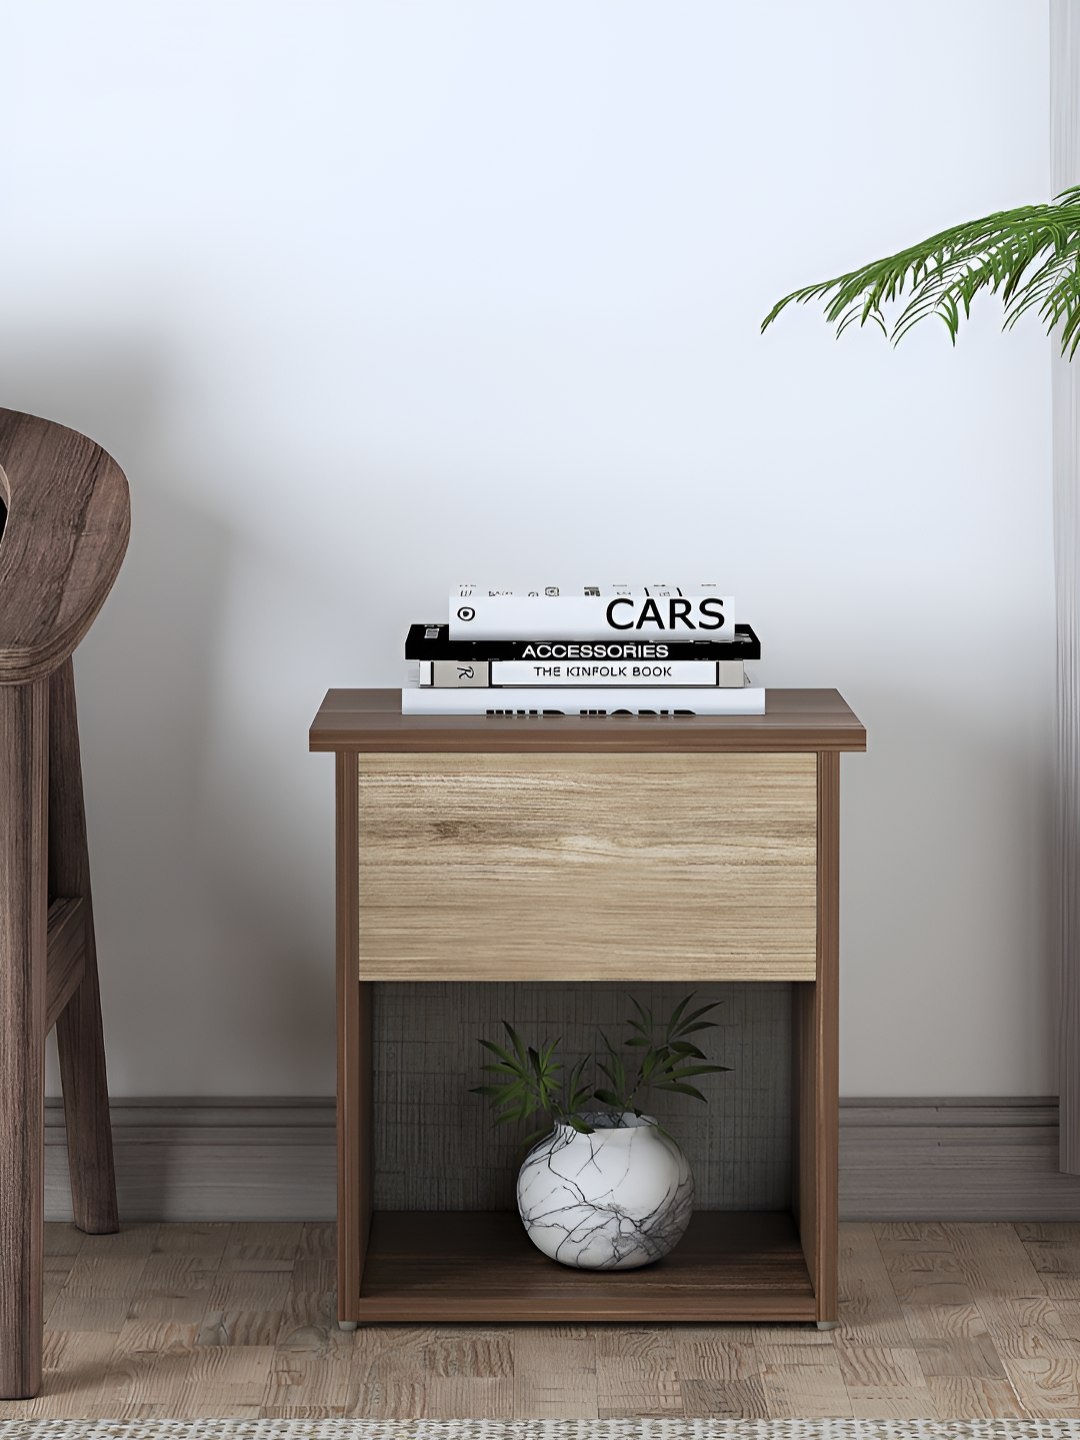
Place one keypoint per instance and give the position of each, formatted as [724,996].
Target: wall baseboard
[953,1160]
[210,1159]
[275,1160]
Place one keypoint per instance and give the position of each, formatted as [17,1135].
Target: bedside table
[557,849]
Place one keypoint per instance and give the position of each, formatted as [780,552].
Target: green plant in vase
[606,1187]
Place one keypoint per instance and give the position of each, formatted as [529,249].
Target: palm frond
[1029,256]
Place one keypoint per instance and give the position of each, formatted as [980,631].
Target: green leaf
[697,1014]
[515,1040]
[608,1097]
[501,1069]
[677,1013]
[1029,256]
[577,1092]
[681,1089]
[504,1055]
[645,1016]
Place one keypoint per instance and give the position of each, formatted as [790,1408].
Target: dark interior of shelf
[433,1146]
[468,1265]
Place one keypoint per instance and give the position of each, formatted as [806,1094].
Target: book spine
[555,592]
[457,674]
[432,642]
[593,700]
[592,617]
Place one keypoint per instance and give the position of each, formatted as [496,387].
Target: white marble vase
[613,1200]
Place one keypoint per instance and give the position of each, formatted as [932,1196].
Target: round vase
[613,1200]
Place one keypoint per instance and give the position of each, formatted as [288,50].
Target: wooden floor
[948,1321]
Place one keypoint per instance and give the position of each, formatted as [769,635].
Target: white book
[592,612]
[456,674]
[590,700]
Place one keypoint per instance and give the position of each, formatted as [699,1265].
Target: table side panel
[573,867]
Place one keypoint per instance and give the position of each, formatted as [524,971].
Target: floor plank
[635,1372]
[246,1308]
[554,1375]
[147,1369]
[995,1261]
[872,1313]
[224,1380]
[173,1286]
[1054,1250]
[725,1399]
[805,1381]
[960,1398]
[307,1383]
[884,1382]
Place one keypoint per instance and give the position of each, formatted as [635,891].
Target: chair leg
[79,1037]
[24,760]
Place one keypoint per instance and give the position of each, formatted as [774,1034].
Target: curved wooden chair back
[64,537]
[65,513]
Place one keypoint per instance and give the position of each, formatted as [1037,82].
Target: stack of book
[585,650]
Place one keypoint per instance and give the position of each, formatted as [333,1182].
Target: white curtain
[1065,171]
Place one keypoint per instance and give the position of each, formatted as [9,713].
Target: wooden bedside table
[697,848]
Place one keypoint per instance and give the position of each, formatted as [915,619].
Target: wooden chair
[64,537]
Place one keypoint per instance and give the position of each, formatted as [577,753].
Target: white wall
[369,294]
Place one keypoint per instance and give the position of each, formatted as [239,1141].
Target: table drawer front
[573,867]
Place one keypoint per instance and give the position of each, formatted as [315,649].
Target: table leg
[354,1098]
[817,1060]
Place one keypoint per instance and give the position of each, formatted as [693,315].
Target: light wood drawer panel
[574,867]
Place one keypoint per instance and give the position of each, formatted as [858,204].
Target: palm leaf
[1028,256]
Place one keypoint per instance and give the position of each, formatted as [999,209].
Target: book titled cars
[590,612]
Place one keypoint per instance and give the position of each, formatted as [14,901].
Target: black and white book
[592,612]
[459,674]
[591,700]
[433,642]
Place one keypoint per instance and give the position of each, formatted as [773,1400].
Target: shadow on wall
[930,794]
[200,940]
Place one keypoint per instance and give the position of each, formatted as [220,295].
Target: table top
[794,720]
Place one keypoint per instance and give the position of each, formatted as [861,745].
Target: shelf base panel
[468,1266]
